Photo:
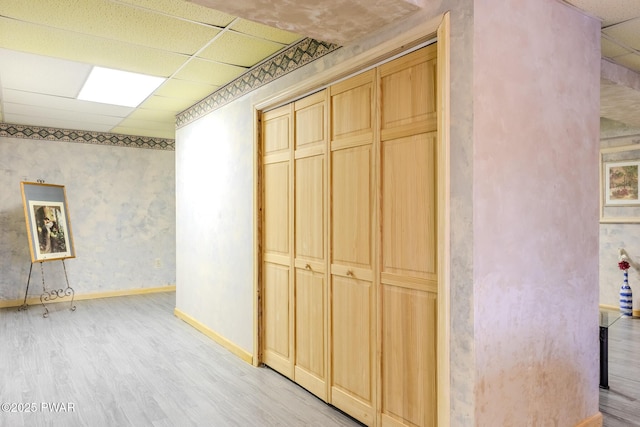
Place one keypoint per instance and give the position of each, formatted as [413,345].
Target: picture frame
[620,184]
[47,219]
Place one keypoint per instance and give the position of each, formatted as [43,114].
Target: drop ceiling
[47,49]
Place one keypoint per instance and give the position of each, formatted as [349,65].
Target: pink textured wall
[536,140]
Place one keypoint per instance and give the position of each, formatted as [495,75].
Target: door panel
[409,356]
[351,206]
[408,275]
[310,213]
[353,312]
[408,206]
[277,288]
[353,338]
[276,338]
[310,370]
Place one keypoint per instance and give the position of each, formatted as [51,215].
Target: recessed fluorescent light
[117,87]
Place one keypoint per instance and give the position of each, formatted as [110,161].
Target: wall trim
[35,301]
[233,348]
[85,137]
[593,421]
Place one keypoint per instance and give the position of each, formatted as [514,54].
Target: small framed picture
[47,219]
[621,183]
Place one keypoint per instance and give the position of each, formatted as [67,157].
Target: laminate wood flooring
[620,405]
[128,361]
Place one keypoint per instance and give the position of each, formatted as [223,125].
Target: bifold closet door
[408,275]
[353,309]
[277,241]
[310,122]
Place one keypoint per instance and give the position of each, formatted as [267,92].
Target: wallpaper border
[295,56]
[84,137]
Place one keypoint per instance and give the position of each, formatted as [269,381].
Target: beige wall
[536,139]
[122,212]
[500,118]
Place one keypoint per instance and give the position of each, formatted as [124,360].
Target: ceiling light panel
[88,49]
[240,49]
[117,87]
[264,32]
[115,21]
[200,70]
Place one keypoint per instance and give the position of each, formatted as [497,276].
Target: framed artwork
[47,219]
[620,184]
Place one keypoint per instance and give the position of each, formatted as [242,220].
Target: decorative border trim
[85,137]
[290,59]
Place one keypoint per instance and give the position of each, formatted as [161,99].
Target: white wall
[122,212]
[536,140]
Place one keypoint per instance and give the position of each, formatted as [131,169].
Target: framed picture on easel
[47,217]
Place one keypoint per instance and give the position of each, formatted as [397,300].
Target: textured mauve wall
[536,127]
[122,211]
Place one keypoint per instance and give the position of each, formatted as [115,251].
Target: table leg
[604,357]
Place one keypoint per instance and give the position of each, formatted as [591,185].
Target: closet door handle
[307,267]
[350,273]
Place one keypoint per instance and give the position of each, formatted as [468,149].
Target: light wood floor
[128,361]
[620,405]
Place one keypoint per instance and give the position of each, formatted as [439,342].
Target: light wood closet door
[310,243]
[408,276]
[353,310]
[277,288]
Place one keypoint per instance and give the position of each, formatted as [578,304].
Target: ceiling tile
[239,49]
[48,121]
[183,89]
[611,49]
[611,12]
[626,33]
[158,116]
[203,71]
[264,32]
[63,103]
[147,124]
[631,61]
[39,111]
[115,21]
[166,104]
[68,45]
[153,133]
[39,74]
[186,10]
